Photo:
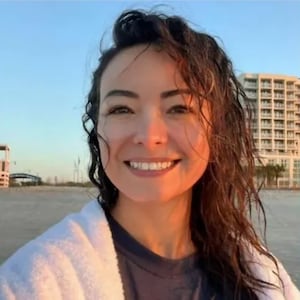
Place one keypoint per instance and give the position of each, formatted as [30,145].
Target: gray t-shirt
[148,276]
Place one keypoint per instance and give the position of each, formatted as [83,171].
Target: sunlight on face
[158,147]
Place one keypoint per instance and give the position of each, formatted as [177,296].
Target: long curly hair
[223,198]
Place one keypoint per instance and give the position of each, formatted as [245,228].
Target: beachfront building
[275,105]
[4,166]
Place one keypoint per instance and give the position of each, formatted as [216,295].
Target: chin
[149,197]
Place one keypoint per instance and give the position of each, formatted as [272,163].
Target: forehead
[139,68]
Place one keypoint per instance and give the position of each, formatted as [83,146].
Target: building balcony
[279,106]
[250,86]
[266,86]
[290,106]
[278,86]
[291,146]
[279,146]
[279,116]
[266,105]
[266,125]
[266,95]
[278,96]
[266,146]
[266,116]
[278,126]
[279,103]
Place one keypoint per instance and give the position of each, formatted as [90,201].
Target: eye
[181,109]
[119,110]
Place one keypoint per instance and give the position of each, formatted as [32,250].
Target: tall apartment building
[4,166]
[275,103]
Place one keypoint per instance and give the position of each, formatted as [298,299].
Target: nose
[151,130]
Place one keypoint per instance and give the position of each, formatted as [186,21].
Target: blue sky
[48,51]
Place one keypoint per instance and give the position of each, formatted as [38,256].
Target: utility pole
[76,170]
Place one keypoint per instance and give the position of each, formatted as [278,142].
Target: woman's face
[158,147]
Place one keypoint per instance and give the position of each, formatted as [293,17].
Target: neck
[163,228]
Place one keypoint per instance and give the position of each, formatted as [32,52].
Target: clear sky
[48,51]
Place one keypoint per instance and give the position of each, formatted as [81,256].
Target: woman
[173,160]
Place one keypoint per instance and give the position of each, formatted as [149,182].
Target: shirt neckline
[145,258]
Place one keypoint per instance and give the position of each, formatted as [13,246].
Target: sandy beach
[26,212]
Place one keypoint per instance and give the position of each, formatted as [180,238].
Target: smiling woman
[149,120]
[173,159]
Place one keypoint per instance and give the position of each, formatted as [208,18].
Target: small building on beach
[4,166]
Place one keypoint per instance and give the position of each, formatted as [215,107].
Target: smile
[151,166]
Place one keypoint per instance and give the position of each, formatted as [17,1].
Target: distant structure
[32,178]
[275,102]
[4,167]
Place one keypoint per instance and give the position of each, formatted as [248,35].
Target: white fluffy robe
[76,260]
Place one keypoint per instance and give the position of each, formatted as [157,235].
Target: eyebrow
[133,95]
[172,93]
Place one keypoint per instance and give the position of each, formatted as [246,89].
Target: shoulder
[77,229]
[68,259]
[265,269]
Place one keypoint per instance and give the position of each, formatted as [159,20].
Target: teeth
[153,166]
[164,165]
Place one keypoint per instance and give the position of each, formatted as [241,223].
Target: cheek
[199,154]
[200,144]
[113,136]
[193,142]
[109,130]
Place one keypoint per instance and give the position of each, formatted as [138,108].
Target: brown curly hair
[223,198]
